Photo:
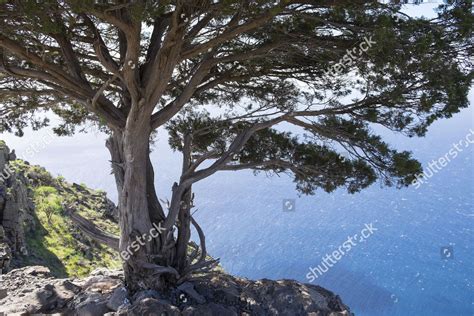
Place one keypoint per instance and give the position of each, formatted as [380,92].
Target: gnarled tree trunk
[152,258]
[138,206]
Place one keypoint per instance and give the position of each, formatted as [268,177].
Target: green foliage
[39,175]
[262,59]
[48,202]
[59,239]
[60,179]
[55,241]
[313,165]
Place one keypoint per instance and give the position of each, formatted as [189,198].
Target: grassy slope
[55,241]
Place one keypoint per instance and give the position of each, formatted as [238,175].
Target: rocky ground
[32,290]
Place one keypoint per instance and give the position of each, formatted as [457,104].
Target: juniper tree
[277,86]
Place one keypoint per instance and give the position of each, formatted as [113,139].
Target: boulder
[31,290]
[4,155]
[101,284]
[5,257]
[211,309]
[89,304]
[118,298]
[3,293]
[151,306]
[188,288]
[16,210]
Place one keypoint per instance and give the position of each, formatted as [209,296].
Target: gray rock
[100,283]
[117,274]
[211,309]
[118,298]
[4,155]
[5,257]
[15,206]
[150,306]
[12,155]
[31,291]
[37,271]
[92,307]
[188,288]
[146,294]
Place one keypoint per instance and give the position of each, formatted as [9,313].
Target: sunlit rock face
[16,209]
[32,290]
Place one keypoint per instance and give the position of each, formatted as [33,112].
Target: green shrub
[48,201]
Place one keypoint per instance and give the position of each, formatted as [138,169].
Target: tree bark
[184,232]
[151,259]
[147,257]
[184,215]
